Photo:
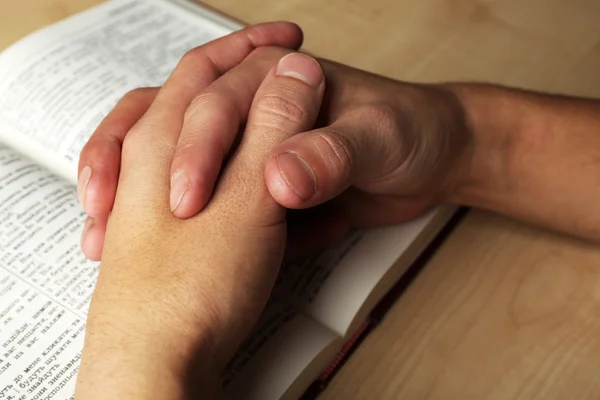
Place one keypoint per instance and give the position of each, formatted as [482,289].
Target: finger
[210,126]
[92,237]
[315,166]
[159,129]
[100,158]
[286,103]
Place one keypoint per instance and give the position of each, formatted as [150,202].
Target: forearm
[129,358]
[534,157]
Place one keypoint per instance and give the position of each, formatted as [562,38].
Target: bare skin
[337,146]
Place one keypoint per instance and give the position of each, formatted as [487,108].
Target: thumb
[313,167]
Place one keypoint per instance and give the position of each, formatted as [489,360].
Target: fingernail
[298,175]
[180,184]
[300,66]
[89,223]
[82,183]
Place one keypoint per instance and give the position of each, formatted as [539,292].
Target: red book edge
[381,309]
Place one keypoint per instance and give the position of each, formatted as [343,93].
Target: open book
[56,85]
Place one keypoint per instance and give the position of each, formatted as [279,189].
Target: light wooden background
[503,311]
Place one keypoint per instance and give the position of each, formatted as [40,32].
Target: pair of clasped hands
[196,191]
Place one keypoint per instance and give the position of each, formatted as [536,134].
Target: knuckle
[283,106]
[186,141]
[205,110]
[91,151]
[268,53]
[101,145]
[137,142]
[391,128]
[194,58]
[131,143]
[385,118]
[192,55]
[212,100]
[86,153]
[134,93]
[253,34]
[200,102]
[335,150]
[191,145]
[137,94]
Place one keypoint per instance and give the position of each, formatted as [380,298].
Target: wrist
[444,140]
[494,122]
[132,357]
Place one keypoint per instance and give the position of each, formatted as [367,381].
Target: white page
[46,285]
[280,348]
[333,285]
[57,84]
[68,64]
[45,282]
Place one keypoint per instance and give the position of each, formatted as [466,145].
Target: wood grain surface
[503,310]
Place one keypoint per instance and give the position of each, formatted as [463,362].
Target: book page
[45,282]
[59,83]
[46,285]
[285,352]
[334,285]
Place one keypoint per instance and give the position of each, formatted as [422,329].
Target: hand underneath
[100,159]
[175,297]
[381,152]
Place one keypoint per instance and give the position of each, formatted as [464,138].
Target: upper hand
[382,152]
[175,297]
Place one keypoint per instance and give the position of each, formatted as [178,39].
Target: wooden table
[503,310]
